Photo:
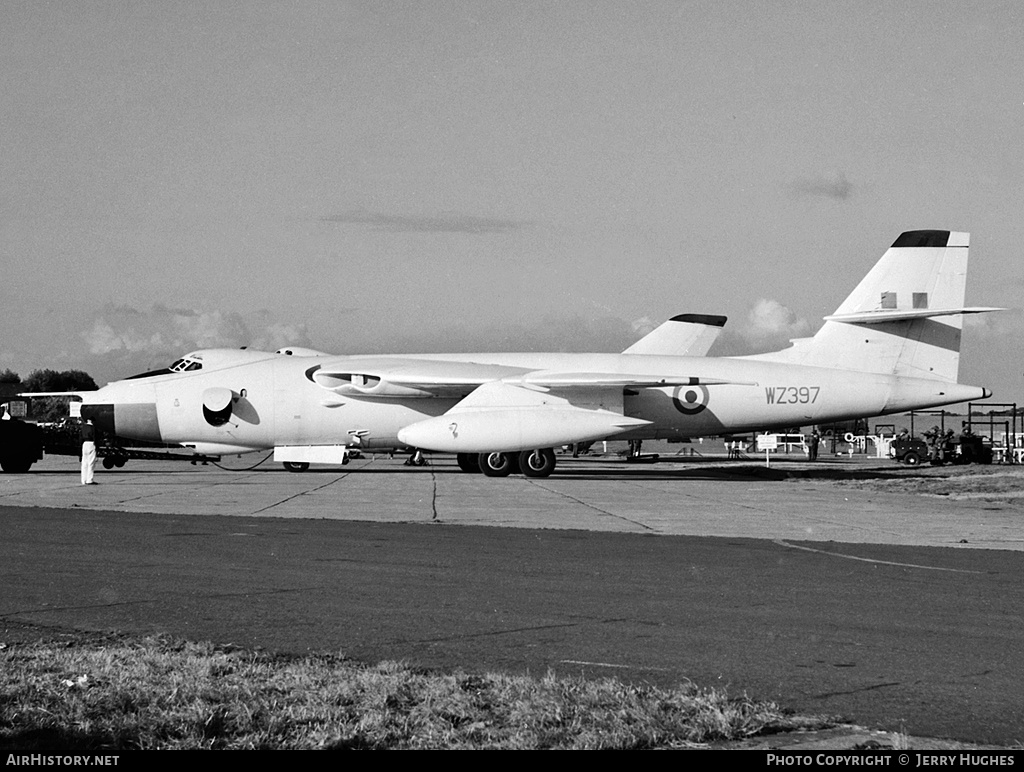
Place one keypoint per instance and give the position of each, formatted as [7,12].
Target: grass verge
[156,692]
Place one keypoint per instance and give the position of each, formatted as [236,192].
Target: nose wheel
[109,462]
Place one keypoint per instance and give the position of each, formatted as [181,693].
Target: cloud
[164,333]
[643,326]
[770,319]
[837,187]
[1004,325]
[447,223]
[768,326]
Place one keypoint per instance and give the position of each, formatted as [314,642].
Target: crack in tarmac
[784,543]
[511,631]
[300,494]
[590,506]
[433,496]
[618,667]
[826,695]
[145,601]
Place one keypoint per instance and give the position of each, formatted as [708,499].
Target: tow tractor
[23,442]
[21,445]
[968,449]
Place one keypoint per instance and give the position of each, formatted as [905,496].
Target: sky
[402,176]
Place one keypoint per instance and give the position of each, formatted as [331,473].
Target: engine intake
[362,384]
[217,404]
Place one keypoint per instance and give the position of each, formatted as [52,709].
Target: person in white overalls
[88,451]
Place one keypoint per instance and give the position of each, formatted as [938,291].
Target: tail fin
[686,335]
[905,316]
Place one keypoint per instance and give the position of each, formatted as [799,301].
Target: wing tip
[707,319]
[931,238]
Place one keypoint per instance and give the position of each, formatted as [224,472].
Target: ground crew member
[934,439]
[948,445]
[88,451]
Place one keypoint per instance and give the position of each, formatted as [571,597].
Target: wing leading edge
[501,408]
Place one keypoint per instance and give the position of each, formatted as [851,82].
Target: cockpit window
[150,374]
[186,364]
[183,365]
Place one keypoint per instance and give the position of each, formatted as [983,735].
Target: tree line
[48,408]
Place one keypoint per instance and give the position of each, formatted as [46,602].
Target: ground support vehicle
[909,451]
[964,450]
[21,445]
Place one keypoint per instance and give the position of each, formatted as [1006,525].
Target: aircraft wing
[501,407]
[397,377]
[555,379]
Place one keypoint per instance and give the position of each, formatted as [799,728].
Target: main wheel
[537,463]
[296,466]
[496,464]
[108,462]
[468,462]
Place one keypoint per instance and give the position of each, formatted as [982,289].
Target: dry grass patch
[158,693]
[996,483]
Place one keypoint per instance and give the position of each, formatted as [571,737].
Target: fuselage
[276,402]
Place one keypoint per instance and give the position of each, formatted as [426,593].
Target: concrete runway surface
[896,611]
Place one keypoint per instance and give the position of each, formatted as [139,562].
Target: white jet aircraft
[893,345]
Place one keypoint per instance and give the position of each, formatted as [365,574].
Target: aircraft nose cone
[102,416]
[129,420]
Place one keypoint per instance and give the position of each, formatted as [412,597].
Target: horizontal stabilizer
[79,394]
[686,335]
[878,317]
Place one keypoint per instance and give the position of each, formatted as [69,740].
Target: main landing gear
[532,463]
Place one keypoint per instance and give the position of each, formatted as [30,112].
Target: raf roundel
[690,400]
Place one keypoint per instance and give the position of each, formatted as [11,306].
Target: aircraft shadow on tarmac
[620,470]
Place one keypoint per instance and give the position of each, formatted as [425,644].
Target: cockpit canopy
[187,364]
[210,359]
